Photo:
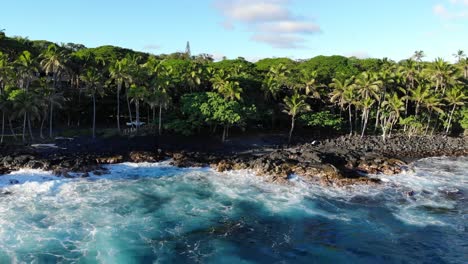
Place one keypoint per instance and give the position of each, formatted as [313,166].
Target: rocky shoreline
[338,162]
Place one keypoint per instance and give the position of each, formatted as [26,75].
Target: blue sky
[253,29]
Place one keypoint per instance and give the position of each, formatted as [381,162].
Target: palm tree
[232,90]
[459,55]
[25,105]
[193,76]
[274,80]
[418,55]
[432,103]
[5,73]
[464,65]
[228,88]
[119,74]
[392,107]
[408,73]
[93,82]
[5,70]
[442,73]
[366,105]
[137,95]
[159,95]
[454,97]
[342,95]
[419,95]
[158,98]
[137,73]
[49,98]
[26,68]
[387,76]
[294,105]
[4,108]
[368,87]
[54,61]
[308,82]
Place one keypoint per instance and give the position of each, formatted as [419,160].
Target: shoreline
[337,161]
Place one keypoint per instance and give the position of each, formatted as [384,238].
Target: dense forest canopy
[68,87]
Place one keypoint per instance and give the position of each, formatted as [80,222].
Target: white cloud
[291,27]
[280,41]
[271,21]
[463,2]
[254,10]
[455,9]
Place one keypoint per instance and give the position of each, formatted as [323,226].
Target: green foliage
[264,65]
[369,64]
[137,93]
[323,119]
[328,67]
[108,53]
[464,118]
[208,108]
[373,94]
[413,124]
[235,67]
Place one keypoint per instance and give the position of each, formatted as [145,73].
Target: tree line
[47,86]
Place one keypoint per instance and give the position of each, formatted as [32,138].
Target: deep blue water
[155,213]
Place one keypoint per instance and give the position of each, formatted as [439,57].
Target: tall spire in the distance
[187,50]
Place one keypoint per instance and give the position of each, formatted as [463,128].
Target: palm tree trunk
[377,117]
[119,86]
[147,114]
[51,114]
[385,128]
[42,125]
[55,80]
[292,129]
[365,119]
[11,128]
[137,106]
[129,110]
[224,135]
[428,123]
[3,126]
[356,118]
[30,130]
[450,119]
[160,119]
[94,116]
[417,110]
[350,120]
[24,128]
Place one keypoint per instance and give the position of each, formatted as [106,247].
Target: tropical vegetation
[71,87]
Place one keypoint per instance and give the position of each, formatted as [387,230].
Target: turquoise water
[156,213]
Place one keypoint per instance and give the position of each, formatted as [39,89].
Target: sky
[253,29]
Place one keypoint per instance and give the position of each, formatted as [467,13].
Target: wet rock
[62,172]
[114,159]
[143,156]
[4,170]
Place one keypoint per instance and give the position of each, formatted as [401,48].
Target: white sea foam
[85,216]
